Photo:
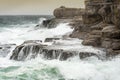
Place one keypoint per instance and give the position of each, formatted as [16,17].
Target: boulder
[111,32]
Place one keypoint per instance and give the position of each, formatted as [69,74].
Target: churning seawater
[17,29]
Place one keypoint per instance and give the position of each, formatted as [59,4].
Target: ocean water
[17,29]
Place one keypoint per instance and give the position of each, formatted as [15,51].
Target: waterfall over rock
[63,51]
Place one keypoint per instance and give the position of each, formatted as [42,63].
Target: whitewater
[42,69]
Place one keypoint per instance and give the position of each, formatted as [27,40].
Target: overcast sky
[35,7]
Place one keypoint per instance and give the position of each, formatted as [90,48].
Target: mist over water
[41,69]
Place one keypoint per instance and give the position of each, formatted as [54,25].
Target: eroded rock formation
[98,24]
[105,29]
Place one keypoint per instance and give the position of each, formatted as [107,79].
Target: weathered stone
[63,12]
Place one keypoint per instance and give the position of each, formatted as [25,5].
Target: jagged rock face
[67,12]
[102,18]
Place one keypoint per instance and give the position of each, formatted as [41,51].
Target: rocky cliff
[98,24]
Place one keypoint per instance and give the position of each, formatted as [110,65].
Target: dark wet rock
[51,39]
[46,22]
